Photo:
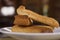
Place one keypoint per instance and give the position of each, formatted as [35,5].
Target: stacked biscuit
[24,20]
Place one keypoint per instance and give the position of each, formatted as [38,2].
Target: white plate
[32,36]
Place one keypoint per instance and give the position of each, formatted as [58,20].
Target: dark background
[34,5]
[54,10]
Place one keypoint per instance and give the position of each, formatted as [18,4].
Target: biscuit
[35,16]
[32,29]
[22,20]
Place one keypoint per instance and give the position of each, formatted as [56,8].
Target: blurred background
[8,8]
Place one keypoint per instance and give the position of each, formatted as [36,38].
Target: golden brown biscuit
[35,16]
[32,29]
[22,20]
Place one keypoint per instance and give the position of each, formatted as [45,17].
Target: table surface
[7,38]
